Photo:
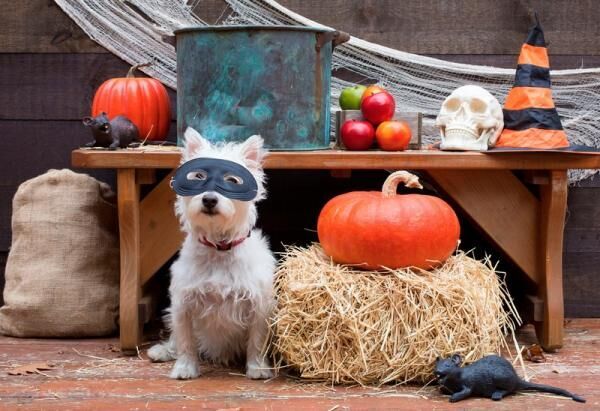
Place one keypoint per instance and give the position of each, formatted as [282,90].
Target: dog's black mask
[227,178]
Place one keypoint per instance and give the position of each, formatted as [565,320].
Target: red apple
[393,135]
[357,134]
[378,107]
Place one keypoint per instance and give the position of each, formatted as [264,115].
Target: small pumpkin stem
[390,186]
[136,67]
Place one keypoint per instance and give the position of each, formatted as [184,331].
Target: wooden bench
[528,228]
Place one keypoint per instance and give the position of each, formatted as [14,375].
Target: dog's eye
[196,175]
[230,178]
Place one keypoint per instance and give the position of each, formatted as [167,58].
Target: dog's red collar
[223,246]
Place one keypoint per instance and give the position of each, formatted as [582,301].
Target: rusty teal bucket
[236,81]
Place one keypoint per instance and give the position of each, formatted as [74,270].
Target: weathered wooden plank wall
[49,70]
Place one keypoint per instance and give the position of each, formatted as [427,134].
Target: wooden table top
[169,157]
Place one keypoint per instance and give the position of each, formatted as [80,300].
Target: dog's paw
[185,368]
[160,353]
[259,372]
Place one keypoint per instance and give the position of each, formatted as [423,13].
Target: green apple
[350,97]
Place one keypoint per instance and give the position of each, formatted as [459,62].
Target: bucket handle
[337,37]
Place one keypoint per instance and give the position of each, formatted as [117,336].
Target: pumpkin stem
[136,67]
[390,186]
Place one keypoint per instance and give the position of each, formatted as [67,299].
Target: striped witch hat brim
[530,117]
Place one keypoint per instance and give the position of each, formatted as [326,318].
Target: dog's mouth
[209,211]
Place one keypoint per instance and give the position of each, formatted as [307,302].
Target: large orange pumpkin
[375,229]
[143,100]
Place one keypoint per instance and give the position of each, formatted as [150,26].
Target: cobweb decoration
[133,30]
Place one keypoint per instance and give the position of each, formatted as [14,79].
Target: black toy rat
[491,377]
[118,132]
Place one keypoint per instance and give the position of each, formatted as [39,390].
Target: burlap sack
[62,273]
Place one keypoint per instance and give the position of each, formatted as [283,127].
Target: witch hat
[530,117]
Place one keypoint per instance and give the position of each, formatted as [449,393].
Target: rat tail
[552,390]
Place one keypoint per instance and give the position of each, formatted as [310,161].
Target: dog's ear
[253,152]
[194,143]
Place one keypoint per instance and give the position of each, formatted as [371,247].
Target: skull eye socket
[478,106]
[452,104]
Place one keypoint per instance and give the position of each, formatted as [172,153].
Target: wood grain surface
[341,159]
[89,375]
[459,26]
[58,86]
[40,26]
[552,212]
[418,26]
[130,288]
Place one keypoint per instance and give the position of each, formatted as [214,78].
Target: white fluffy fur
[220,300]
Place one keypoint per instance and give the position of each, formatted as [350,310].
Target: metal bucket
[236,81]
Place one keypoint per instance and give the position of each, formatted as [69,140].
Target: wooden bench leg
[553,207]
[129,233]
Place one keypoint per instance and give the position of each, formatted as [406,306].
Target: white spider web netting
[133,30]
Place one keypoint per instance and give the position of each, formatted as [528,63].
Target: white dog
[222,282]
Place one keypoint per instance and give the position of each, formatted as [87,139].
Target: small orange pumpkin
[143,100]
[375,229]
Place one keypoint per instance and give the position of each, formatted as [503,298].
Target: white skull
[470,119]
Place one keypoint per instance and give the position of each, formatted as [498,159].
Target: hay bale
[343,325]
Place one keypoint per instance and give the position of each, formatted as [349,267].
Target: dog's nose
[210,201]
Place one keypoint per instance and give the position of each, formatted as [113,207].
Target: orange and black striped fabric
[530,117]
